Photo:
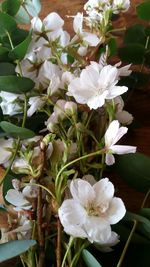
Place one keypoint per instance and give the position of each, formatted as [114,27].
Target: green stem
[43,187]
[96,153]
[127,244]
[11,44]
[71,240]
[145,199]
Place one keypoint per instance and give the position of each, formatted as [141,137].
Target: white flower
[123,116]
[112,136]
[91,211]
[11,103]
[6,147]
[36,103]
[17,199]
[95,84]
[90,38]
[120,5]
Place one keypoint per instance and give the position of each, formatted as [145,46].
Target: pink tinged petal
[116,91]
[113,240]
[16,198]
[110,159]
[53,22]
[82,192]
[111,133]
[117,149]
[116,211]
[75,231]
[104,191]
[71,213]
[97,229]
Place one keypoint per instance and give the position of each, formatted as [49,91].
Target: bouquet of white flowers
[61,117]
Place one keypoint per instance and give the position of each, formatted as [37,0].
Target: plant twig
[40,230]
[58,249]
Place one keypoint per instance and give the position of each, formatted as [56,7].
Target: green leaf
[33,7]
[132,53]
[14,248]
[18,36]
[135,170]
[16,131]
[7,69]
[145,212]
[15,84]
[7,185]
[90,259]
[112,44]
[7,24]
[11,7]
[22,16]
[4,54]
[135,34]
[20,50]
[143,10]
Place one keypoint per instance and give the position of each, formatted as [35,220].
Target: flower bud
[70,108]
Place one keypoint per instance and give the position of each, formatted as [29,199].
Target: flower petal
[111,133]
[109,160]
[116,210]
[123,149]
[75,231]
[97,229]
[104,191]
[71,213]
[16,198]
[82,192]
[53,22]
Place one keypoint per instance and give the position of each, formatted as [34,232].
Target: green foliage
[112,44]
[14,248]
[89,259]
[33,7]
[15,84]
[20,50]
[11,7]
[16,131]
[143,10]
[22,16]
[135,170]
[7,184]
[7,69]
[135,35]
[4,54]
[145,212]
[7,24]
[132,53]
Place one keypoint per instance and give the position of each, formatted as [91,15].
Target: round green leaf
[135,34]
[7,69]
[7,184]
[20,50]
[90,259]
[132,53]
[4,54]
[15,84]
[22,16]
[14,248]
[135,170]
[11,7]
[145,212]
[7,24]
[143,10]
[16,131]
[33,7]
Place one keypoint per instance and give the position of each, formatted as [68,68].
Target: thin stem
[127,244]
[43,187]
[58,249]
[24,112]
[145,199]
[11,44]
[71,240]
[40,230]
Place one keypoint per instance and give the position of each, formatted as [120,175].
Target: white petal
[118,149]
[121,132]
[110,159]
[75,231]
[104,191]
[97,101]
[108,75]
[111,133]
[78,23]
[124,117]
[116,91]
[16,198]
[116,211]
[71,213]
[98,230]
[35,102]
[36,25]
[53,22]
[82,192]
[91,38]
[5,154]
